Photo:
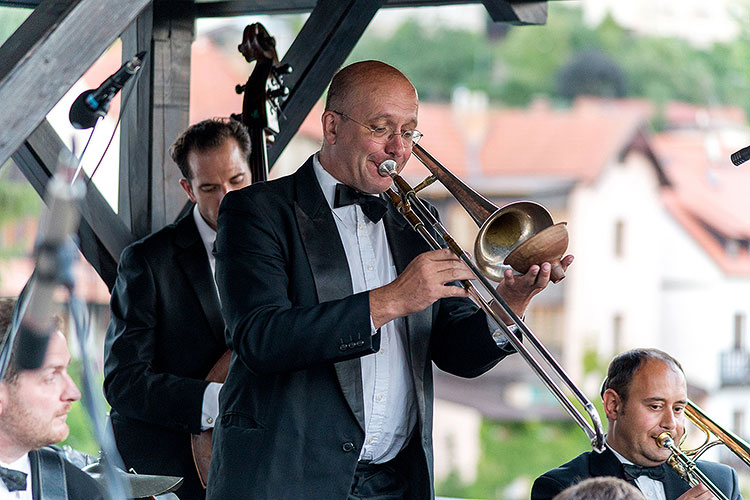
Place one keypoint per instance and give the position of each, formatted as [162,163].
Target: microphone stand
[56,253]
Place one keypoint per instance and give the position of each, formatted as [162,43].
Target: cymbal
[141,485]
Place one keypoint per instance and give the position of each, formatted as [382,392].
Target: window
[619,238]
[739,331]
[617,332]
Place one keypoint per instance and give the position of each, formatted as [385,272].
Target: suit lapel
[606,464]
[329,268]
[674,485]
[192,259]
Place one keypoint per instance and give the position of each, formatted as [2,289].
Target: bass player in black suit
[644,394]
[336,310]
[166,330]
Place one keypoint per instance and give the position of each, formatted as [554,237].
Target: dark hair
[7,309]
[622,369]
[206,135]
[7,305]
[600,488]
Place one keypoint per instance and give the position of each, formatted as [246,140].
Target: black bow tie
[635,471]
[373,207]
[14,480]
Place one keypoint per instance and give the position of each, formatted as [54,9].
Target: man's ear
[188,189]
[330,123]
[4,396]
[612,404]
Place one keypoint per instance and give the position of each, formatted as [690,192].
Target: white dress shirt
[24,465]
[210,409]
[651,488]
[388,388]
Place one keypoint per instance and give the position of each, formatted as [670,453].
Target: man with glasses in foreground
[335,309]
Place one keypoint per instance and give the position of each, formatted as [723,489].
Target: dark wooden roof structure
[58,42]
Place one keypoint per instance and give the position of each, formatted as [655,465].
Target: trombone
[684,461]
[481,210]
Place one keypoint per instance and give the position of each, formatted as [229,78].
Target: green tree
[10,19]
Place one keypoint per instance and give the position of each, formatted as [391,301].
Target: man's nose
[397,144]
[669,421]
[71,392]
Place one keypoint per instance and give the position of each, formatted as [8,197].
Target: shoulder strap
[50,472]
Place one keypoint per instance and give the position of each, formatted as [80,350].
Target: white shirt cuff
[210,405]
[499,336]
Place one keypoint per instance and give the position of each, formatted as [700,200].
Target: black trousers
[379,482]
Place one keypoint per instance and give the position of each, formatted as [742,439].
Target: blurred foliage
[514,454]
[81,437]
[528,61]
[10,19]
[18,201]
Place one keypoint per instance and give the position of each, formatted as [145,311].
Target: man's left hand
[518,290]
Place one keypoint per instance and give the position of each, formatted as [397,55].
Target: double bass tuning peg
[279,92]
[282,69]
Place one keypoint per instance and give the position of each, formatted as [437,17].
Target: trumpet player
[335,313]
[644,395]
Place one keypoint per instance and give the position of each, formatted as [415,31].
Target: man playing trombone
[644,395]
[335,310]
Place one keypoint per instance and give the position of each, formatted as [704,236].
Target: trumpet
[481,210]
[684,461]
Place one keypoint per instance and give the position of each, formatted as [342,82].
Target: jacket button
[360,343]
[348,446]
[343,347]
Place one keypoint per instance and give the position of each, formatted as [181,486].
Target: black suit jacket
[592,464]
[80,486]
[164,335]
[292,416]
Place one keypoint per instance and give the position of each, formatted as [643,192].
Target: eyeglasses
[384,134]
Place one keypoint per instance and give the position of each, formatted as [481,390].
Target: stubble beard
[28,430]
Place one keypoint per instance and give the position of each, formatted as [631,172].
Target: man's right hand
[699,492]
[422,283]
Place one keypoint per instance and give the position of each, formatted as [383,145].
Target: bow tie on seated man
[14,480]
[636,471]
[372,206]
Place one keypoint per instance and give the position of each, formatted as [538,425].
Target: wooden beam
[150,194]
[527,12]
[226,8]
[102,235]
[323,44]
[48,53]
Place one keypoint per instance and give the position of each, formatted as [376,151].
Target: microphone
[741,156]
[54,253]
[92,104]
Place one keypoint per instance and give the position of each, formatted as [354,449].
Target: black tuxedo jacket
[79,485]
[164,335]
[292,416]
[592,464]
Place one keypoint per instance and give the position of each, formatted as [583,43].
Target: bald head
[355,82]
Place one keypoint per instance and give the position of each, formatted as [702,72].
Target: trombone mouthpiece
[387,168]
[664,440]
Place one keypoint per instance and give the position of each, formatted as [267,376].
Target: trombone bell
[520,235]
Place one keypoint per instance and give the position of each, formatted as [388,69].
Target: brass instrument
[684,461]
[482,210]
